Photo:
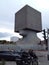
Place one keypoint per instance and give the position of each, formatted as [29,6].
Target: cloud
[9,7]
[4,34]
[40,35]
[6,25]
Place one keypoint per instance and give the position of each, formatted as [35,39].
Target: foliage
[6,42]
[2,62]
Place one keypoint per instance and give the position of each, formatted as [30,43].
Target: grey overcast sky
[8,8]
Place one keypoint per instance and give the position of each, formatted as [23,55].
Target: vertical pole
[48,41]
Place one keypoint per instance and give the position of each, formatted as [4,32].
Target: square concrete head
[28,18]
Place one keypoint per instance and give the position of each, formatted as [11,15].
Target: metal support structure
[48,42]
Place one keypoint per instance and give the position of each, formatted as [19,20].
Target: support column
[30,40]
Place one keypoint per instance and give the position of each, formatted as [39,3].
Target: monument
[28,24]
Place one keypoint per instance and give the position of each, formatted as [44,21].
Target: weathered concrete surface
[8,63]
[29,18]
[42,55]
[30,41]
